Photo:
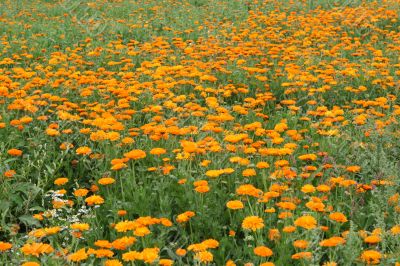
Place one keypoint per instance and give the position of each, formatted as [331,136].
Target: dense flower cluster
[188,132]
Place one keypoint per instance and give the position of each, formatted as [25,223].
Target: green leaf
[29,220]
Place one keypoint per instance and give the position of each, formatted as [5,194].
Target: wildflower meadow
[199,132]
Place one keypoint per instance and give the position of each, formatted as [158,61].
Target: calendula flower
[373,239]
[4,246]
[94,200]
[332,242]
[37,249]
[204,256]
[249,172]
[30,263]
[165,262]
[353,169]
[80,226]
[135,154]
[371,256]
[338,217]
[9,173]
[83,150]
[308,188]
[14,152]
[78,256]
[202,189]
[158,151]
[149,255]
[302,255]
[184,217]
[253,223]
[81,192]
[308,157]
[303,244]
[60,181]
[263,251]
[306,221]
[106,181]
[113,263]
[395,230]
[235,205]
[180,252]
[123,243]
[122,212]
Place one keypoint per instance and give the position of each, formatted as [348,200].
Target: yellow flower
[80,226]
[204,256]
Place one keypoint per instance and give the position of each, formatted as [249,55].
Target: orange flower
[122,212]
[165,262]
[353,169]
[338,217]
[235,204]
[14,152]
[263,251]
[204,256]
[202,189]
[262,165]
[80,226]
[308,157]
[273,234]
[94,200]
[60,181]
[9,173]
[302,255]
[37,249]
[371,256]
[308,222]
[123,243]
[4,246]
[249,172]
[78,256]
[81,192]
[113,263]
[308,188]
[303,244]
[158,151]
[106,181]
[52,132]
[395,230]
[149,255]
[373,239]
[332,242]
[184,217]
[30,263]
[180,252]
[83,150]
[253,223]
[135,154]
[131,256]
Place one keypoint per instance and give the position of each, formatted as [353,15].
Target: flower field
[200,132]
